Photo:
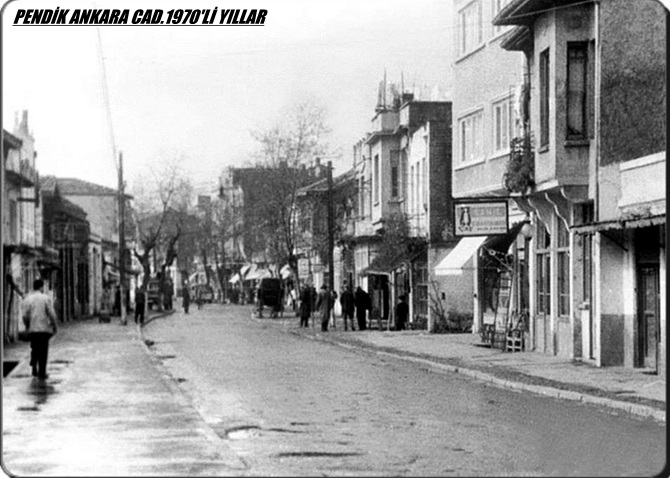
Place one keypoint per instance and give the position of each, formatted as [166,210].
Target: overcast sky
[198,91]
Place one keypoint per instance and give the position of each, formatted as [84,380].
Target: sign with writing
[303,268]
[480,218]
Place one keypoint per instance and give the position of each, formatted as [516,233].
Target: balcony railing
[520,174]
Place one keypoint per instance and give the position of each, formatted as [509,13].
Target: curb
[643,411]
[232,460]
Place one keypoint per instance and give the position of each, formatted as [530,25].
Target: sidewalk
[632,391]
[108,408]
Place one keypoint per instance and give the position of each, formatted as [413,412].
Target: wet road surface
[288,405]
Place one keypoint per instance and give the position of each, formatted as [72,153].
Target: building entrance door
[648,316]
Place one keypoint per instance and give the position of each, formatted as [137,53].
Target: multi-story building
[596,77]
[487,81]
[313,223]
[424,166]
[102,270]
[66,228]
[403,170]
[24,256]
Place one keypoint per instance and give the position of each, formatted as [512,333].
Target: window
[497,6]
[395,176]
[412,186]
[421,291]
[563,260]
[361,192]
[403,174]
[543,270]
[503,120]
[544,98]
[471,137]
[424,182]
[394,182]
[470,27]
[13,222]
[376,173]
[576,90]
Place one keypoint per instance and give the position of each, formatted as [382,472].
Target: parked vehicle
[154,295]
[204,292]
[270,294]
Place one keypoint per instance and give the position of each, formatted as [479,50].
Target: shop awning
[286,272]
[621,224]
[502,242]
[244,270]
[455,261]
[235,279]
[257,273]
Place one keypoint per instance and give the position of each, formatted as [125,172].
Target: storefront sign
[303,267]
[480,218]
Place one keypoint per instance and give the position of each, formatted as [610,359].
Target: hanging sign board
[480,218]
[303,268]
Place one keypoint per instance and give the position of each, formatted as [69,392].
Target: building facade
[597,125]
[101,206]
[24,257]
[487,81]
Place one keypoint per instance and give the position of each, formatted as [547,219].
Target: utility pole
[331,242]
[122,244]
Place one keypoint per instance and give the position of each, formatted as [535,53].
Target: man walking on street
[39,317]
[324,305]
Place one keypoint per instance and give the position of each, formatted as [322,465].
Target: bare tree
[286,152]
[162,204]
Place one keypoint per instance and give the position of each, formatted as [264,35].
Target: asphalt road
[292,406]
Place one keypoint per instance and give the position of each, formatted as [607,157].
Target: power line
[105,94]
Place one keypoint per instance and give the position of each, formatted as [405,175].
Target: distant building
[100,203]
[78,288]
[402,227]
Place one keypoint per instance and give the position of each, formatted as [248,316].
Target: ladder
[502,312]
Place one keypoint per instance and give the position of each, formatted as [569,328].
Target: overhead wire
[105,94]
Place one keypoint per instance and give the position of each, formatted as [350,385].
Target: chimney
[24,121]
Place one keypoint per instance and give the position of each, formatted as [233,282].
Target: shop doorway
[647,253]
[648,316]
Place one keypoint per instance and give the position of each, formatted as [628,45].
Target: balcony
[385,122]
[23,176]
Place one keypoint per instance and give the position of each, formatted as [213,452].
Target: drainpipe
[596,100]
[596,206]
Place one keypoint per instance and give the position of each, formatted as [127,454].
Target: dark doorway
[647,253]
[648,316]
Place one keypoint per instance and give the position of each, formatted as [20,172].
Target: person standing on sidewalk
[305,306]
[401,313]
[140,301]
[324,304]
[39,318]
[362,300]
[186,300]
[348,306]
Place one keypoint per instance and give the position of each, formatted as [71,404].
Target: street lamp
[527,229]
